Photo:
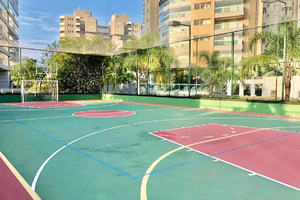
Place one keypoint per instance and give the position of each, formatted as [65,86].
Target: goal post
[39,90]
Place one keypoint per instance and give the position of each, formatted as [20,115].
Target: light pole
[175,24]
[284,43]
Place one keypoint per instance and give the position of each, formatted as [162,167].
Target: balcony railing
[228,27]
[230,12]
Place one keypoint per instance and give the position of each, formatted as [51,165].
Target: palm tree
[156,59]
[215,71]
[270,40]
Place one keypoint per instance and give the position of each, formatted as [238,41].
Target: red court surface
[104,113]
[10,186]
[47,104]
[271,153]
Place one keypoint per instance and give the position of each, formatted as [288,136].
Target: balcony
[226,45]
[228,27]
[77,29]
[62,28]
[229,12]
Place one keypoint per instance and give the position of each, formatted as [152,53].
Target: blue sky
[39,19]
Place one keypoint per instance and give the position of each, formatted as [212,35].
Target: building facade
[9,36]
[81,24]
[122,30]
[219,17]
[104,31]
[179,10]
[272,13]
[150,13]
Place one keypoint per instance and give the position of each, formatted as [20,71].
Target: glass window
[3,10]
[202,6]
[202,22]
[13,12]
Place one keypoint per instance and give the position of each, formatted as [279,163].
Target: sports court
[125,151]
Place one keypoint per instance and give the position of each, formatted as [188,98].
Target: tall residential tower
[9,37]
[150,12]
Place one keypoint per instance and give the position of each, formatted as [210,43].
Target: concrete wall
[4,80]
[224,105]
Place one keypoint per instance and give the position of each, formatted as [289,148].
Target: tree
[83,45]
[27,72]
[78,73]
[215,71]
[156,60]
[271,39]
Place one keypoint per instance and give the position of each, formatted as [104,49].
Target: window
[276,7]
[202,22]
[202,6]
[202,38]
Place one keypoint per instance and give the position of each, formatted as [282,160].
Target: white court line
[253,174]
[62,108]
[37,175]
[229,163]
[57,117]
[33,119]
[120,111]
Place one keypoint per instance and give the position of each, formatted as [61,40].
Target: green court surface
[109,158]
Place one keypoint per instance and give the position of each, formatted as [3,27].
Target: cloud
[49,28]
[34,54]
[25,24]
[38,41]
[30,19]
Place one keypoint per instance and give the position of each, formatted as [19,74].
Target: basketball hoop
[49,75]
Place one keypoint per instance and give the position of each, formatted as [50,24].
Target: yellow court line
[20,178]
[143,191]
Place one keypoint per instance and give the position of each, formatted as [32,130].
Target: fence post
[115,73]
[147,83]
[197,42]
[284,56]
[137,74]
[232,61]
[21,71]
[277,58]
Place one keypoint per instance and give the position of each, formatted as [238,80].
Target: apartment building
[179,10]
[211,19]
[122,30]
[104,31]
[9,36]
[150,19]
[219,17]
[272,13]
[81,24]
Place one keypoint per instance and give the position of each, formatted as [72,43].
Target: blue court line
[72,148]
[213,155]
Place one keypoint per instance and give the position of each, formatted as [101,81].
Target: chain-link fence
[260,63]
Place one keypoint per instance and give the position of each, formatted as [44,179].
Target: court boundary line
[119,111]
[54,117]
[57,108]
[143,189]
[17,104]
[237,166]
[37,175]
[20,178]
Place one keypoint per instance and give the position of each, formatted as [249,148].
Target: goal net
[39,90]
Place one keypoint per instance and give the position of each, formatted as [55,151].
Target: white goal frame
[54,93]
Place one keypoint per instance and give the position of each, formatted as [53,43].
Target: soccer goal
[39,90]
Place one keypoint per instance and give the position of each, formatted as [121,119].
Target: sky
[39,19]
